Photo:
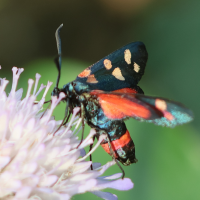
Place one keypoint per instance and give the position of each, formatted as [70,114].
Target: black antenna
[58,59]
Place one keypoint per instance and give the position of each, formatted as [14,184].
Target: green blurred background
[169,159]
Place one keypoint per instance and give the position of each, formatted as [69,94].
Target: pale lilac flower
[36,162]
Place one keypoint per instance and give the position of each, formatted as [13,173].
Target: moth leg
[90,150]
[83,124]
[66,116]
[45,109]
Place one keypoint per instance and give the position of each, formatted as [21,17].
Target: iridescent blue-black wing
[174,113]
[121,69]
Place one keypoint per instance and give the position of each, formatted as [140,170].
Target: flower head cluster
[38,162]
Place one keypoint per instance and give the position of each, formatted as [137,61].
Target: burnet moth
[108,93]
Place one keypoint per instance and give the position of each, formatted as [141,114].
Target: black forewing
[127,67]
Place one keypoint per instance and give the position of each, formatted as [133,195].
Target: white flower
[36,162]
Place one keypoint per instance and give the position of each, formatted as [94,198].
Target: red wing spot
[117,107]
[96,92]
[117,144]
[168,115]
[85,73]
[91,79]
[125,90]
[162,106]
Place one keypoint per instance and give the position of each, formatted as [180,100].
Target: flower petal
[105,195]
[120,184]
[4,160]
[40,162]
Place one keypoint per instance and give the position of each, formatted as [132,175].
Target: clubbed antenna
[58,59]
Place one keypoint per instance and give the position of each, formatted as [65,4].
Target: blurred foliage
[168,166]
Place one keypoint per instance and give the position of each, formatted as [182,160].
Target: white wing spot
[161,104]
[136,67]
[107,63]
[118,74]
[127,56]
